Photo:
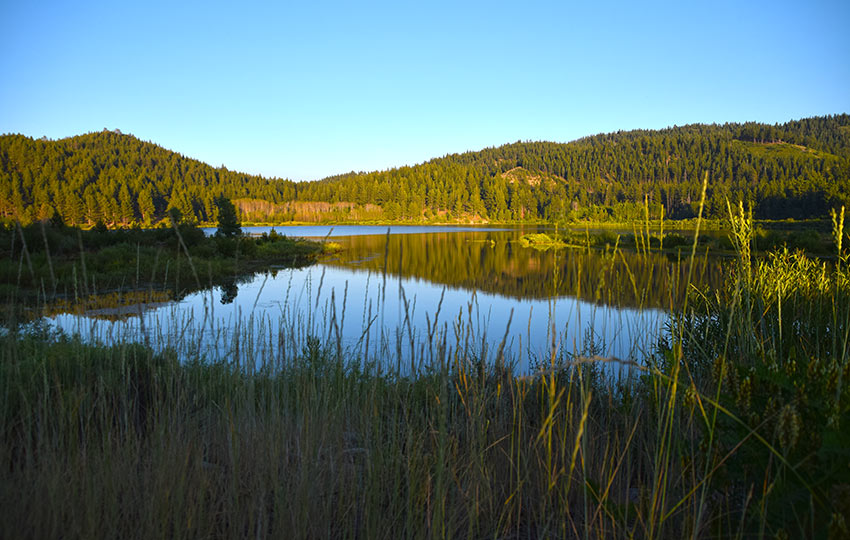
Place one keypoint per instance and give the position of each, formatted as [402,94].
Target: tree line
[799,169]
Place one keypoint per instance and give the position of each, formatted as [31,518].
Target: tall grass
[734,426]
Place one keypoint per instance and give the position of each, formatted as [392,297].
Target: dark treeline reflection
[495,262]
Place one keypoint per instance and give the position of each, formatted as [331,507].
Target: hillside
[799,169]
[117,179]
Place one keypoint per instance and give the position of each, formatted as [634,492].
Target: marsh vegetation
[732,424]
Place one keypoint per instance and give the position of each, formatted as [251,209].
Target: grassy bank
[657,236]
[44,262]
[736,426]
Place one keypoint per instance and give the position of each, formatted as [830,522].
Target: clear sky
[307,89]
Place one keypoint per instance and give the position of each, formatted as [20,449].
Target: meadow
[735,425]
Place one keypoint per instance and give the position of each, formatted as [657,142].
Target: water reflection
[495,262]
[333,231]
[378,320]
[229,290]
[395,300]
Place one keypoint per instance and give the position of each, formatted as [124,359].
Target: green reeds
[733,426]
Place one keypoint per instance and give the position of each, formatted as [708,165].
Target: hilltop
[799,169]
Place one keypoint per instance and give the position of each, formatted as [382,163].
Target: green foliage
[118,180]
[772,347]
[228,222]
[226,247]
[500,265]
[539,241]
[607,177]
[736,426]
[799,170]
[70,262]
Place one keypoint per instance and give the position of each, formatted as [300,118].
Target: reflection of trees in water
[123,304]
[495,262]
[229,290]
[113,305]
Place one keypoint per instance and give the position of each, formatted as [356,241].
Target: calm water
[322,231]
[401,295]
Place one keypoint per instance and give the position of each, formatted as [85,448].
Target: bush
[673,240]
[247,247]
[226,246]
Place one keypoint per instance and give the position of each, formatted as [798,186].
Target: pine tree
[146,206]
[228,222]
[126,202]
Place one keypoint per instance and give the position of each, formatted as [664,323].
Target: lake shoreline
[274,416]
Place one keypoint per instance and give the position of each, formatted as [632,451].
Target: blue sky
[303,90]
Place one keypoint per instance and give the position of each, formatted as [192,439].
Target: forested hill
[799,169]
[117,179]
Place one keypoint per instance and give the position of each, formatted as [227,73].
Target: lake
[394,300]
